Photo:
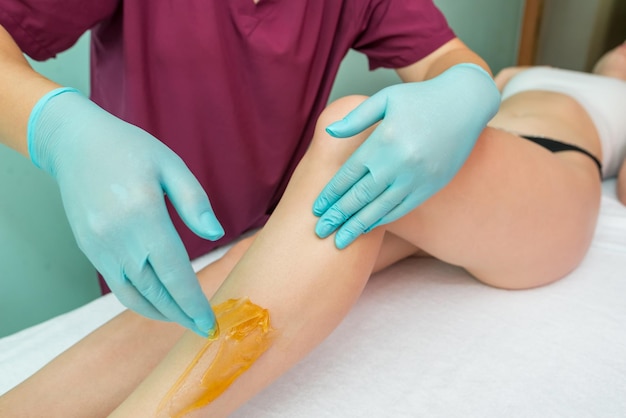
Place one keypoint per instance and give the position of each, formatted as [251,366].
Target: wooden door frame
[529,33]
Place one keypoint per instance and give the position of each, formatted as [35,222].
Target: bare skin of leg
[498,233]
[512,198]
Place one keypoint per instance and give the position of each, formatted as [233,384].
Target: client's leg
[516,216]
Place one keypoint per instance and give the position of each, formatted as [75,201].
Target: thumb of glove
[362,117]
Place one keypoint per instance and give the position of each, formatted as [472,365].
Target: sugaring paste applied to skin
[244,335]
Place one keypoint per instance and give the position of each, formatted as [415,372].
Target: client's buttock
[549,115]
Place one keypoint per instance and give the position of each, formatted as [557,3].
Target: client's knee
[339,108]
[323,144]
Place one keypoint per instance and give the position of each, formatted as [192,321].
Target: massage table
[427,340]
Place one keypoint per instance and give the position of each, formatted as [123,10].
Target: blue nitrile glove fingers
[426,132]
[112,177]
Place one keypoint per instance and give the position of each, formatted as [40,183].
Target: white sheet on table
[425,339]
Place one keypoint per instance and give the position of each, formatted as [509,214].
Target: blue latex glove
[428,130]
[113,177]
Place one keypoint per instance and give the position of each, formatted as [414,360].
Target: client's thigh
[515,216]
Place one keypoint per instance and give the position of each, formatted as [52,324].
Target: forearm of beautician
[426,129]
[452,53]
[20,89]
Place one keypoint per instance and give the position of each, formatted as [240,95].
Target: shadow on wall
[575,33]
[616,28]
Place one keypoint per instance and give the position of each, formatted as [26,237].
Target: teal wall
[489,27]
[43,273]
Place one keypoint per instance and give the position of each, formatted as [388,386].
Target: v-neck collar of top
[249,14]
[252,7]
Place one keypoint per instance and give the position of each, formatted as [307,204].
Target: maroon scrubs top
[231,86]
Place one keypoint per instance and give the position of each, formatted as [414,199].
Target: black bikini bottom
[558,146]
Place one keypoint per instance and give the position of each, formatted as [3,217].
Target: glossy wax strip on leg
[245,334]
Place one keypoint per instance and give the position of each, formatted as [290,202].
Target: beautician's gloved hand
[428,130]
[113,176]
